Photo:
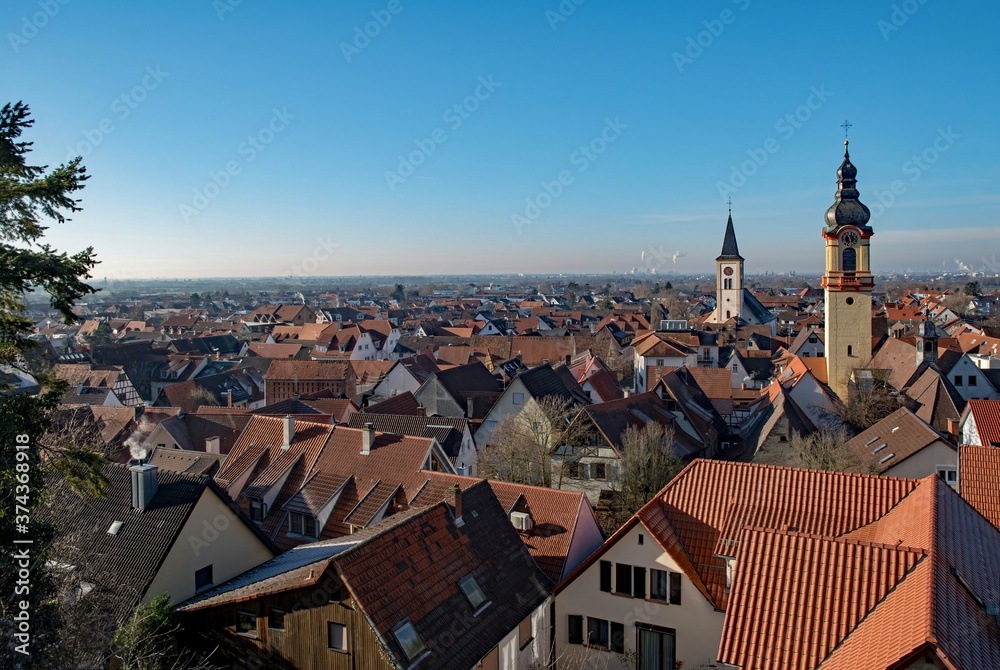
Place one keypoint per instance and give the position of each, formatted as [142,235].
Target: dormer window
[257,509]
[302,524]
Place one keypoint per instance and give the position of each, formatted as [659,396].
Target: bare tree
[147,641]
[870,399]
[826,449]
[520,448]
[648,463]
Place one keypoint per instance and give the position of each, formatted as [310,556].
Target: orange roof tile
[979,480]
[986,415]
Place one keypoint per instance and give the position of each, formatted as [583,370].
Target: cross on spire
[846,125]
[730,202]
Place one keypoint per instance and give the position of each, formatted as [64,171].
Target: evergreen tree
[30,197]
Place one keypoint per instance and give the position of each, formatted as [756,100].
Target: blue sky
[243,138]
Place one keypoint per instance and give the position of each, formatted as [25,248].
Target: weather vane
[846,125]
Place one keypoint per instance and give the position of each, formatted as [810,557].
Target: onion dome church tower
[848,281]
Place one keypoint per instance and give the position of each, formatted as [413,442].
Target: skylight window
[408,639]
[869,442]
[474,594]
[880,448]
[115,527]
[886,457]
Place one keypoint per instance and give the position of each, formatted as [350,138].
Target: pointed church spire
[730,250]
[847,209]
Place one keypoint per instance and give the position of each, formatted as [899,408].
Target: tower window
[850,301]
[850,350]
[928,346]
[850,262]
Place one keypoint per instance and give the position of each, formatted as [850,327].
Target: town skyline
[603,140]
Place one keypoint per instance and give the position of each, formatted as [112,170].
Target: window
[518,398]
[257,509]
[472,592]
[276,619]
[203,578]
[641,538]
[850,263]
[638,582]
[336,634]
[675,588]
[617,638]
[600,470]
[850,349]
[409,641]
[958,380]
[574,627]
[246,623]
[658,584]
[302,524]
[972,380]
[597,632]
[736,367]
[948,473]
[606,576]
[655,647]
[572,469]
[623,579]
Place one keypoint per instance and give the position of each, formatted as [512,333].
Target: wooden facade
[302,643]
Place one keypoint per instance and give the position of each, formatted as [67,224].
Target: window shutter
[605,576]
[675,588]
[639,582]
[575,629]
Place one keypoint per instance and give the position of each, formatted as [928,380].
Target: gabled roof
[402,403]
[936,398]
[543,382]
[979,479]
[892,440]
[285,370]
[986,416]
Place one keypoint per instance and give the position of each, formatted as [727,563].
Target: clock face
[850,238]
[727,271]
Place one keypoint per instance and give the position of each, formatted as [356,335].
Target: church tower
[729,277]
[848,281]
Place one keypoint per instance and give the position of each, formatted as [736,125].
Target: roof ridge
[841,538]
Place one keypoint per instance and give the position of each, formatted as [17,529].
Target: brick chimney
[954,431]
[288,431]
[367,438]
[453,496]
[144,484]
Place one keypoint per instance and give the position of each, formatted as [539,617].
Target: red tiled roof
[979,479]
[986,415]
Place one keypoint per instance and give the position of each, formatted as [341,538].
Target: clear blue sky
[201,77]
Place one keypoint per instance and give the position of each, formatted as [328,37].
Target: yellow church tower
[848,281]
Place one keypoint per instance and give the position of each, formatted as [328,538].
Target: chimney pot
[288,432]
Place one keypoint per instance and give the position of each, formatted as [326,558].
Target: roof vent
[115,527]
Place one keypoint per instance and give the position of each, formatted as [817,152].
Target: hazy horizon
[233,139]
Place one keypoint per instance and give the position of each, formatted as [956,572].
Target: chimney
[288,432]
[953,430]
[367,438]
[469,408]
[454,498]
[144,481]
[229,398]
[212,445]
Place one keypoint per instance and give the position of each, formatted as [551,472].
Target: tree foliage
[30,197]
[648,462]
[147,640]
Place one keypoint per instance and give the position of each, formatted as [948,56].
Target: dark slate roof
[468,379]
[730,250]
[186,462]
[543,381]
[752,305]
[127,562]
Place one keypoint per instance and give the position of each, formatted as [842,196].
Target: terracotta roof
[936,398]
[986,415]
[403,403]
[979,479]
[308,370]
